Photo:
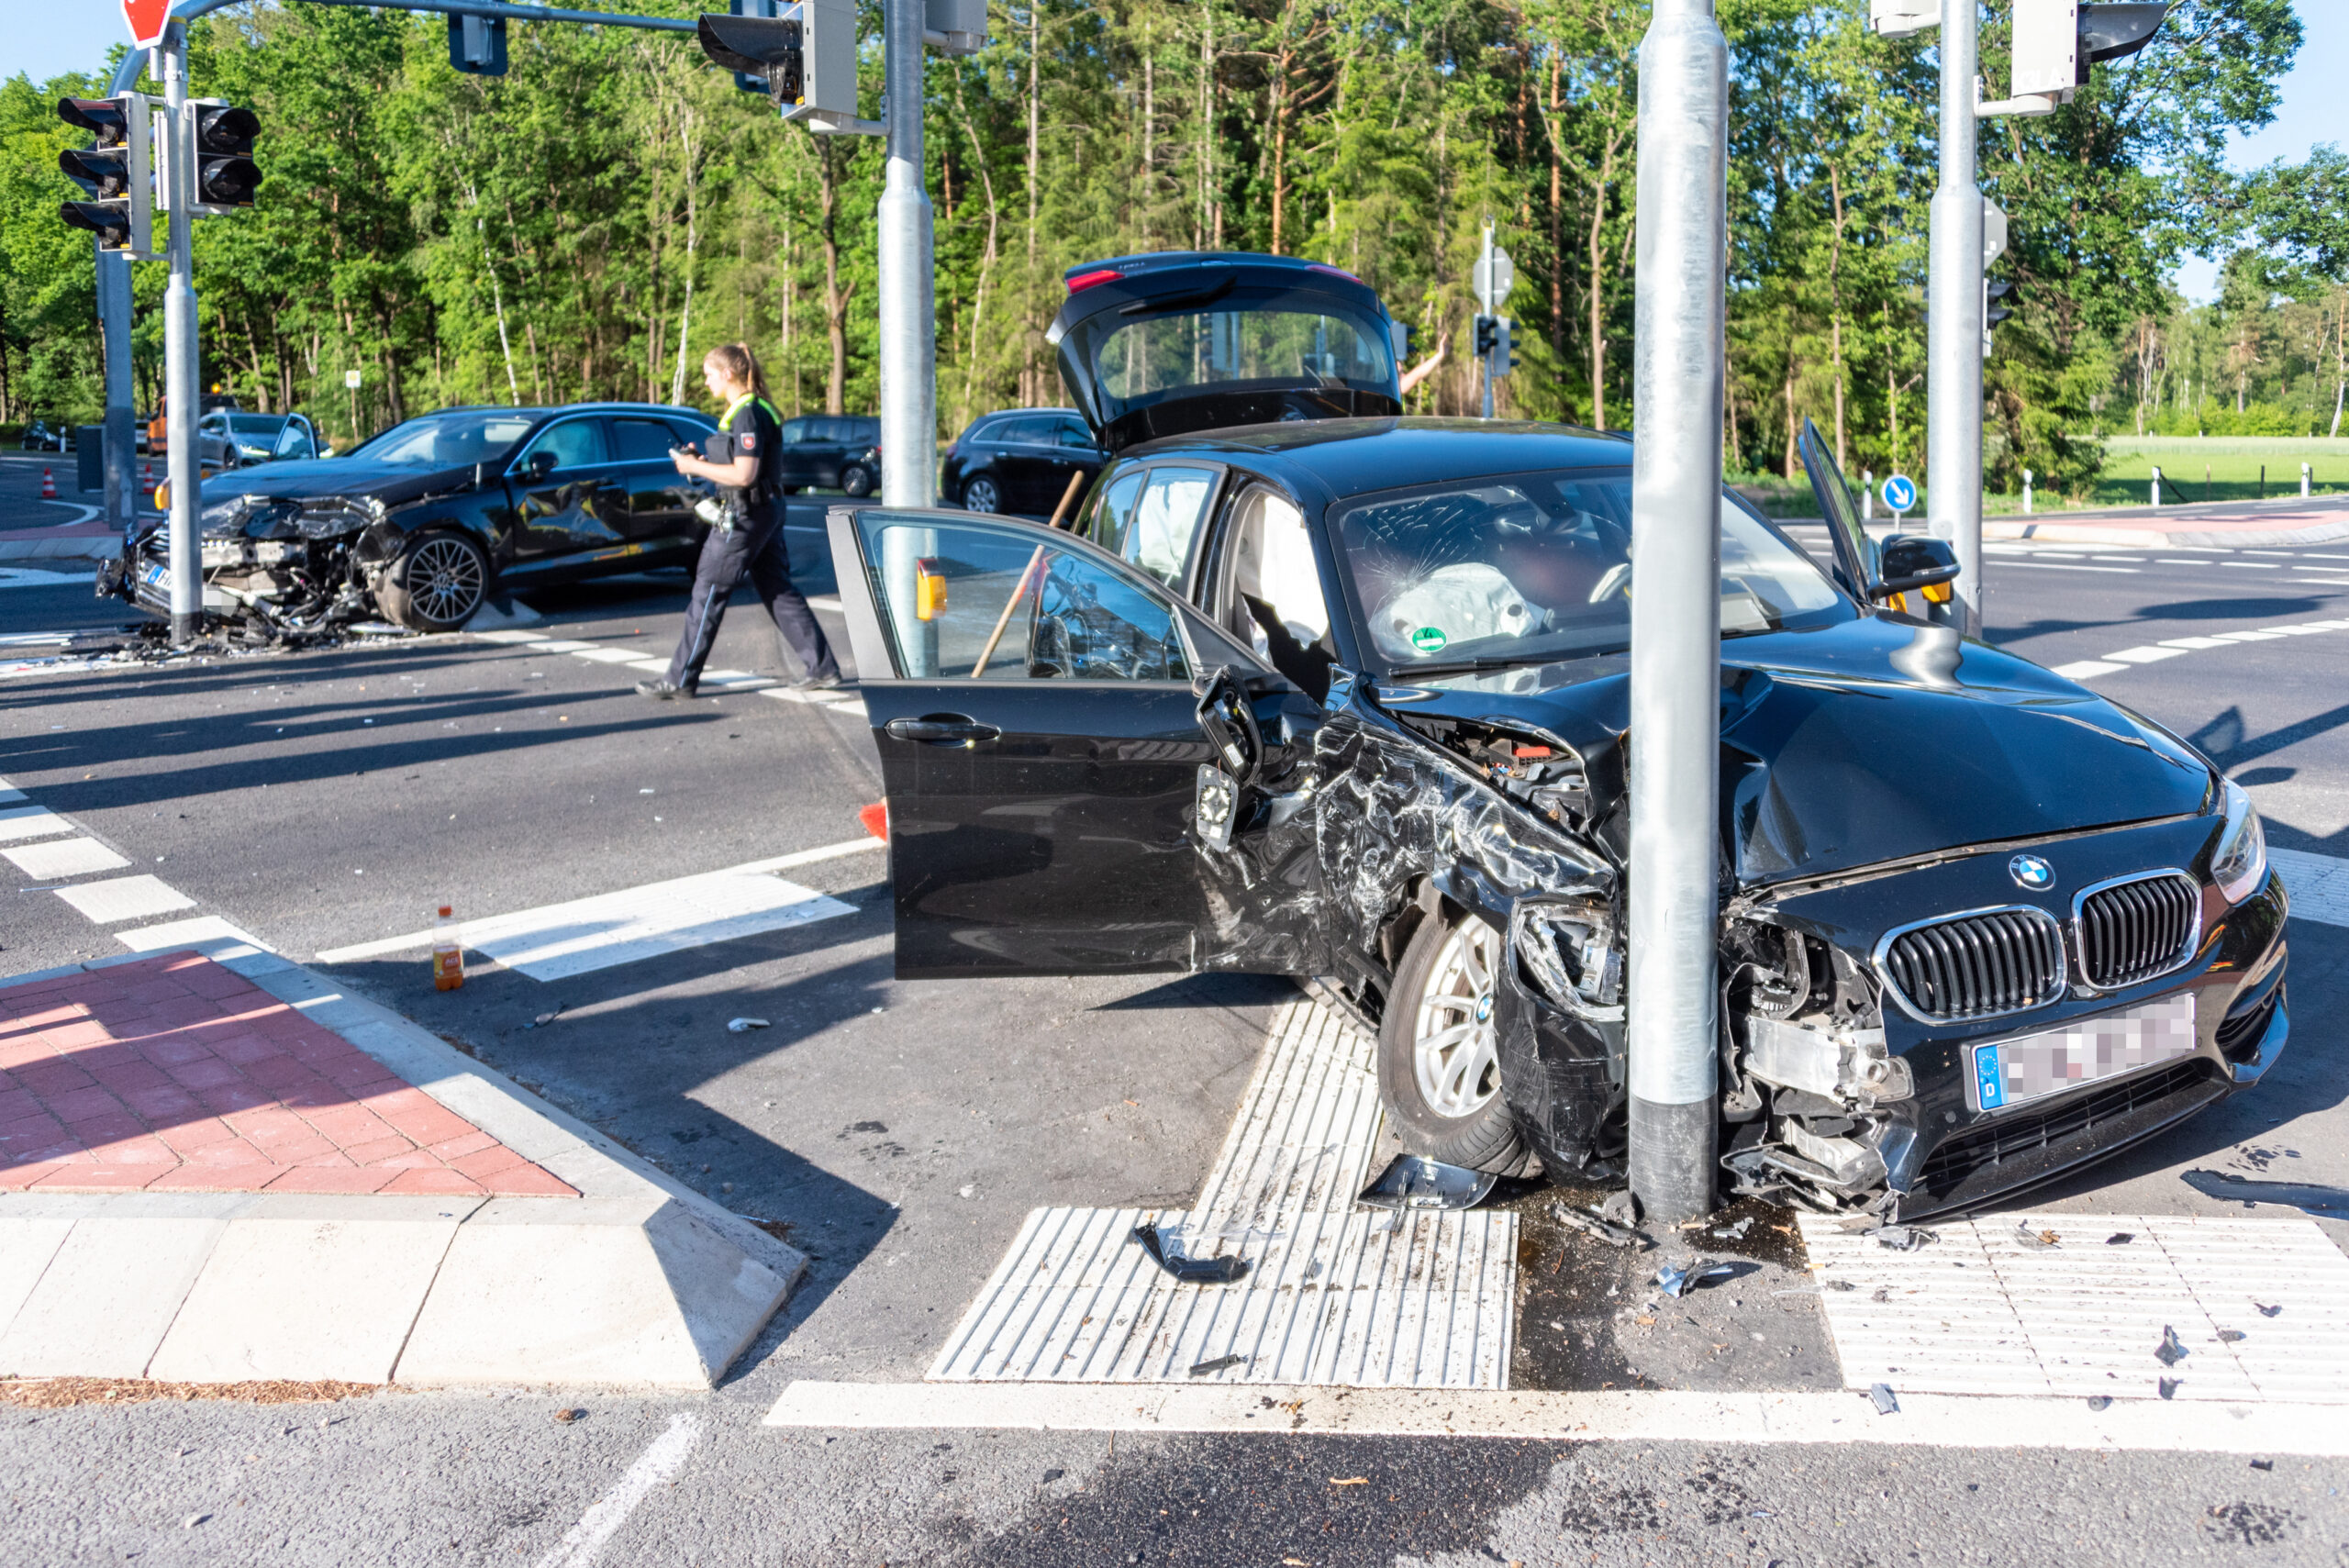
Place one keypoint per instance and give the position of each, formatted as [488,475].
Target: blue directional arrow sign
[1900,492]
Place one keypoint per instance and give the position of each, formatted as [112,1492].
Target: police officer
[744,460]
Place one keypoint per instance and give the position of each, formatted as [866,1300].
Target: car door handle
[951,730]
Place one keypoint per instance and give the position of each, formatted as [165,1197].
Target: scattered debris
[1621,1208]
[193,1521]
[2169,1387]
[744,1025]
[1882,1293]
[2170,1352]
[1188,1270]
[2121,1238]
[1679,1282]
[2242,1189]
[2275,1311]
[2263,1465]
[1589,1223]
[2030,1238]
[1209,1368]
[1414,1181]
[1886,1405]
[1901,1237]
[1350,1481]
[2231,1336]
[2099,1401]
[1735,1232]
[564,1417]
[543,1019]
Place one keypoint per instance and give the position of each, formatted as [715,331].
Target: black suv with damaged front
[423,524]
[1347,697]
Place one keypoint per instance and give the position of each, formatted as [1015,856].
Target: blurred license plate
[156,576]
[2009,1072]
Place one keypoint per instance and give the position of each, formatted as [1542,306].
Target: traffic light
[1503,357]
[226,175]
[477,45]
[808,61]
[747,81]
[1488,333]
[115,171]
[2056,41]
[1993,312]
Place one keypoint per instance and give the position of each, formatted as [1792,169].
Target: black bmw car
[1019,460]
[423,523]
[1325,691]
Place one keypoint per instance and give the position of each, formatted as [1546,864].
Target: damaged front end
[281,567]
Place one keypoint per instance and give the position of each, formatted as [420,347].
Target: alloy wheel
[445,580]
[981,495]
[1455,1051]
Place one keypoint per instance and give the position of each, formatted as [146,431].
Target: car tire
[1439,1069]
[981,494]
[856,482]
[436,583]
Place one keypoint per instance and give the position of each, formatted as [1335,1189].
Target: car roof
[1351,457]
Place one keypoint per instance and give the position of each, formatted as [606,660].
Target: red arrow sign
[146,18]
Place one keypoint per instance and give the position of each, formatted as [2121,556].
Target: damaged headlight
[2240,862]
[1568,951]
[222,519]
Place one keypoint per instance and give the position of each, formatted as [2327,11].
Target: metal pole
[121,421]
[1679,321]
[1953,347]
[181,371]
[909,344]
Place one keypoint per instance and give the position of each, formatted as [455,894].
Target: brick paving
[175,1074]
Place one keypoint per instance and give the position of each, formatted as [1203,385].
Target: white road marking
[1334,1294]
[2249,566]
[63,857]
[2050,566]
[508,636]
[2080,670]
[207,934]
[2145,654]
[657,1465]
[610,929]
[1622,1415]
[30,822]
[2086,669]
[1981,1313]
[610,655]
[124,898]
[28,577]
[2174,561]
[35,639]
[2132,560]
[2320,555]
[2286,554]
[2319,884]
[558,645]
[2196,643]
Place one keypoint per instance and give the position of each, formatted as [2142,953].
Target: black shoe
[824,682]
[662,691]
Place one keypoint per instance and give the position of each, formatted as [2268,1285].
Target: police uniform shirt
[749,429]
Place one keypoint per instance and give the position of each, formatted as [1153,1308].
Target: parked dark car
[1020,460]
[41,436]
[1347,697]
[421,524]
[831,452]
[224,439]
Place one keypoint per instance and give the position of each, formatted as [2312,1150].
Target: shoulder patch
[748,441]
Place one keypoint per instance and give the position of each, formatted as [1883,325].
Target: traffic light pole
[1677,374]
[121,418]
[908,340]
[1954,305]
[181,372]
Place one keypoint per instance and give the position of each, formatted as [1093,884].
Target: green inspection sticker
[1429,639]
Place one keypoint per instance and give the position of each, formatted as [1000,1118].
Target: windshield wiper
[1468,666]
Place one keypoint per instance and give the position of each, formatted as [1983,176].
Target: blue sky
[44,38]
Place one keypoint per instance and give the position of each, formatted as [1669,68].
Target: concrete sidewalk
[2294,520]
[220,1169]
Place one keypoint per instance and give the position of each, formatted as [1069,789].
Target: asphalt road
[330,798]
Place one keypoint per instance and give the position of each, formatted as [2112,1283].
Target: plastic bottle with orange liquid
[448,958]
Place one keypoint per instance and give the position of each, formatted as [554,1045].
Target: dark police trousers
[755,551]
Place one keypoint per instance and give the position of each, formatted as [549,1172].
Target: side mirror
[541,464]
[1910,561]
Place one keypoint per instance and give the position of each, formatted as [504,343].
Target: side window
[1164,518]
[1022,432]
[575,443]
[961,601]
[642,441]
[1271,596]
[795,432]
[1113,514]
[1072,433]
[836,431]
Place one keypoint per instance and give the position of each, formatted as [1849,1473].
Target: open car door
[1856,568]
[1083,775]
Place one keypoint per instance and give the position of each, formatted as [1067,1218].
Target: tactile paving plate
[1979,1311]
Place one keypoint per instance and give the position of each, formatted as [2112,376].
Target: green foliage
[590,223]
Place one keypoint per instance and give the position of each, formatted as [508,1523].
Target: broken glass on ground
[1695,1277]
[2170,1352]
[1885,1403]
[1591,1224]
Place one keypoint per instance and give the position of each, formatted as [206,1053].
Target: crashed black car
[1347,697]
[423,524]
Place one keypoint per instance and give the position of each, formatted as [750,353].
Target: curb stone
[640,1281]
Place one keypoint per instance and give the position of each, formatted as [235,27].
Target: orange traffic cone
[48,487]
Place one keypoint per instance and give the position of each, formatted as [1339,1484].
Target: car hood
[1871,741]
[341,478]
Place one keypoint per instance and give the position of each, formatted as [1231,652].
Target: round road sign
[1900,492]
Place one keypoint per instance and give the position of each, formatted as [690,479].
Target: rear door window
[575,443]
[1155,528]
[642,441]
[1270,597]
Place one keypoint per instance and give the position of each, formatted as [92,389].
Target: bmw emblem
[2031,872]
